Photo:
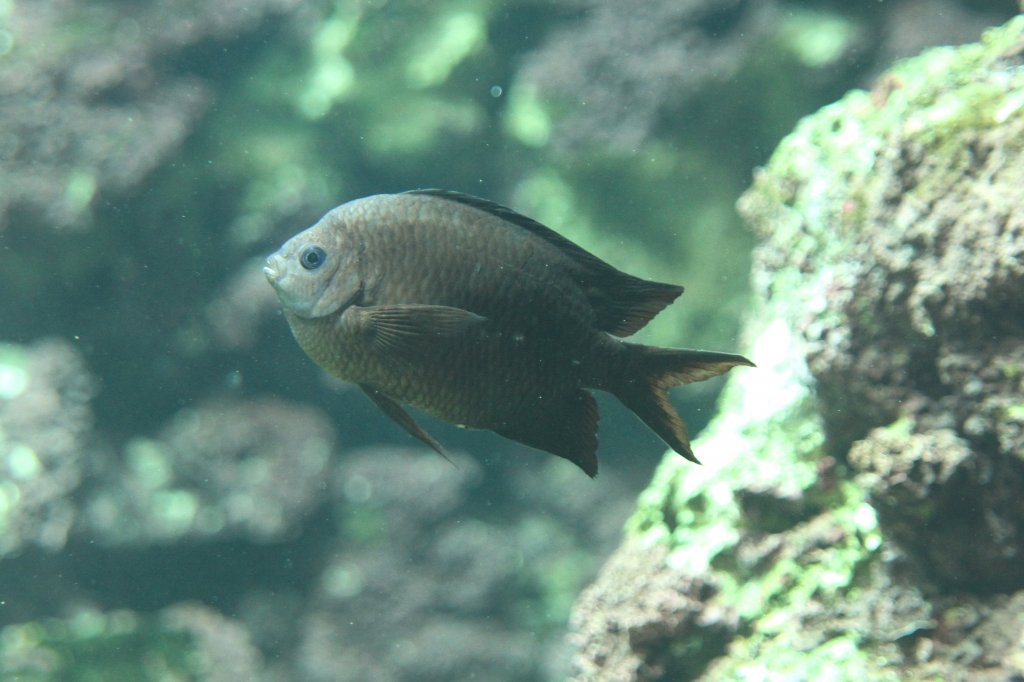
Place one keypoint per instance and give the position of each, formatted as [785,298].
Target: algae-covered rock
[88,107]
[45,421]
[184,642]
[860,511]
[420,585]
[222,469]
[901,209]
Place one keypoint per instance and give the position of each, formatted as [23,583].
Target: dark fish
[483,318]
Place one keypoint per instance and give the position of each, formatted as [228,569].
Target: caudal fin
[650,372]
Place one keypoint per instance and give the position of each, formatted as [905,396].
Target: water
[183,494]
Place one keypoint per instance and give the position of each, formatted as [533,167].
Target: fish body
[483,318]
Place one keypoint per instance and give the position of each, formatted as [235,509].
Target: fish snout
[273,268]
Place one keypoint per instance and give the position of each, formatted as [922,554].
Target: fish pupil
[313,257]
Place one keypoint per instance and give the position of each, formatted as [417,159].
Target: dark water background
[176,476]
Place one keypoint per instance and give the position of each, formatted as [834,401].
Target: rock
[959,511]
[187,641]
[859,514]
[657,614]
[45,421]
[83,110]
[250,468]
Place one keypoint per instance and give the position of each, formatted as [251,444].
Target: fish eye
[313,257]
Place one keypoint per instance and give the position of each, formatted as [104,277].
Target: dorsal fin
[622,303]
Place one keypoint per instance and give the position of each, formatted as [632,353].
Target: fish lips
[272,270]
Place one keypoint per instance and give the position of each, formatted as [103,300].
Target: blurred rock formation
[88,107]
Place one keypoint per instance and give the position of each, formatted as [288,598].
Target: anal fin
[565,425]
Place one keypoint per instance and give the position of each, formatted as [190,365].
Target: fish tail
[649,372]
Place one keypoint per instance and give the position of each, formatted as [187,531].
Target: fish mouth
[270,269]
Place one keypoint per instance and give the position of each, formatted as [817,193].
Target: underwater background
[185,496]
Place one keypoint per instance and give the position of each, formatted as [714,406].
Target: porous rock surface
[862,509]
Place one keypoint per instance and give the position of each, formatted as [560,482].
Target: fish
[484,318]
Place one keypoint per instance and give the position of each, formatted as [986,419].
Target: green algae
[453,38]
[97,646]
[13,371]
[817,38]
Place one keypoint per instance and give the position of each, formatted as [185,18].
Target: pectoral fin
[395,411]
[409,329]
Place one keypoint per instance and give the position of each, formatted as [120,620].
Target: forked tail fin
[651,371]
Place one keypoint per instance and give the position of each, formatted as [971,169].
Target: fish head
[316,273]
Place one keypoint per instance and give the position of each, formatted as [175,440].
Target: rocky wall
[860,512]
